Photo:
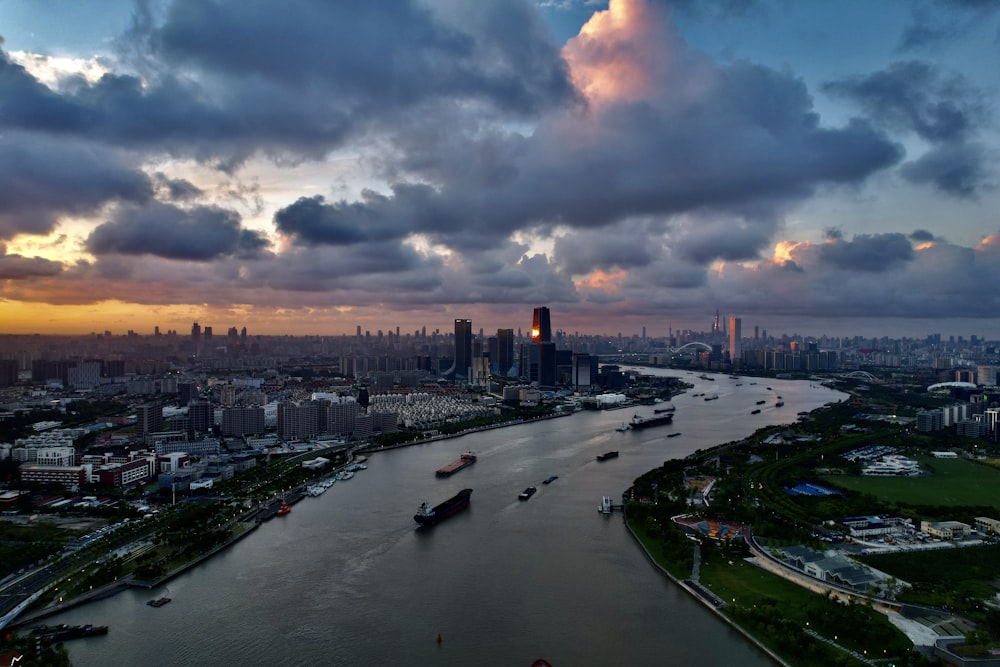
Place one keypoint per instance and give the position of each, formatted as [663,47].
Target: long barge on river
[467,459]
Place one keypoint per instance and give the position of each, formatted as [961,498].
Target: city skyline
[808,169]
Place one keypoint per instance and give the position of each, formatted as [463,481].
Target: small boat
[158,602]
[549,480]
[755,412]
[779,404]
[527,493]
[622,428]
[673,435]
[761,402]
[605,506]
[768,388]
[712,397]
[607,455]
[284,509]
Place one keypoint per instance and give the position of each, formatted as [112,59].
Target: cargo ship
[427,515]
[607,455]
[50,634]
[655,420]
[467,459]
[527,493]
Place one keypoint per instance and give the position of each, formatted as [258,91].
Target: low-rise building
[892,465]
[987,525]
[946,530]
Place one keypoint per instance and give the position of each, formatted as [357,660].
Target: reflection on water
[345,579]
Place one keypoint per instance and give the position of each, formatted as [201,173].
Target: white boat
[605,506]
[622,428]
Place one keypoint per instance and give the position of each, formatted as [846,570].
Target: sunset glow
[662,160]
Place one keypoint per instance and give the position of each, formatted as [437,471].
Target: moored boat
[465,460]
[284,509]
[427,515]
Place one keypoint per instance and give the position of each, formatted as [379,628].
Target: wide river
[345,579]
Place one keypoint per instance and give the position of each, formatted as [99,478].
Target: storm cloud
[331,159]
[200,234]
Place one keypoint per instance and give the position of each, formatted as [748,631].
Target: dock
[607,507]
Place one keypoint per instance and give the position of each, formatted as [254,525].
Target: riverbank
[368,449]
[119,585]
[706,601]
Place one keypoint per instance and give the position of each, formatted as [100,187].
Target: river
[345,579]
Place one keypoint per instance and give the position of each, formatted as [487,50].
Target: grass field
[954,482]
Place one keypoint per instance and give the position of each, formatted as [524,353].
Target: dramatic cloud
[225,80]
[742,139]
[200,234]
[943,109]
[16,267]
[427,158]
[43,178]
[872,253]
[919,97]
[958,170]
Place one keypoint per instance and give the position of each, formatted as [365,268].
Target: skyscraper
[505,350]
[541,336]
[541,325]
[463,347]
[735,339]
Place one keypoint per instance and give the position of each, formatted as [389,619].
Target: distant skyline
[812,168]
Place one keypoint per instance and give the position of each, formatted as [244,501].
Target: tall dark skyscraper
[463,347]
[541,325]
[541,336]
[505,350]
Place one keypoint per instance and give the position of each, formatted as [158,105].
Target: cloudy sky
[310,166]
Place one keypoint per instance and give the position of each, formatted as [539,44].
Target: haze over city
[809,167]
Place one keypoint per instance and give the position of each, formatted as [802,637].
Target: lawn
[749,584]
[954,482]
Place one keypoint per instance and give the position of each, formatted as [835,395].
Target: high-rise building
[8,372]
[149,419]
[541,336]
[240,421]
[196,332]
[735,339]
[541,325]
[505,351]
[463,347]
